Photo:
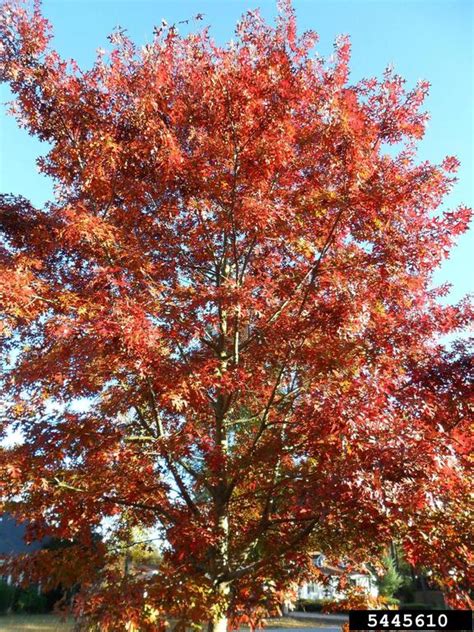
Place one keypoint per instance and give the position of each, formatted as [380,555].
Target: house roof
[12,534]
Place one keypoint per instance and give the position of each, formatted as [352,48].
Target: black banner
[434,620]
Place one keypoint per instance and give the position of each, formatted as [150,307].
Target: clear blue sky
[423,39]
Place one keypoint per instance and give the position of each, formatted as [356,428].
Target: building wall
[315,590]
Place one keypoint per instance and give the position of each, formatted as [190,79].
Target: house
[12,538]
[363,579]
[12,541]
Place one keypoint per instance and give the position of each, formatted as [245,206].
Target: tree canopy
[235,274]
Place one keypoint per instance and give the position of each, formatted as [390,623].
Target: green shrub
[391,581]
[52,597]
[7,596]
[311,605]
[416,606]
[30,601]
[406,592]
[392,601]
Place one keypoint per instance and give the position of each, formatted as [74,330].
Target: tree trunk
[219,623]
[221,560]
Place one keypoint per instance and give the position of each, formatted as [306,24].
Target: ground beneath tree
[50,623]
[33,623]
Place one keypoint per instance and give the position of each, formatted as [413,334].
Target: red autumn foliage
[235,272]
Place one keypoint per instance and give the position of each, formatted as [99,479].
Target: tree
[391,580]
[234,274]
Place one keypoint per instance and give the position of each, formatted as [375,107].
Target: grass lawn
[286,622]
[33,623]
